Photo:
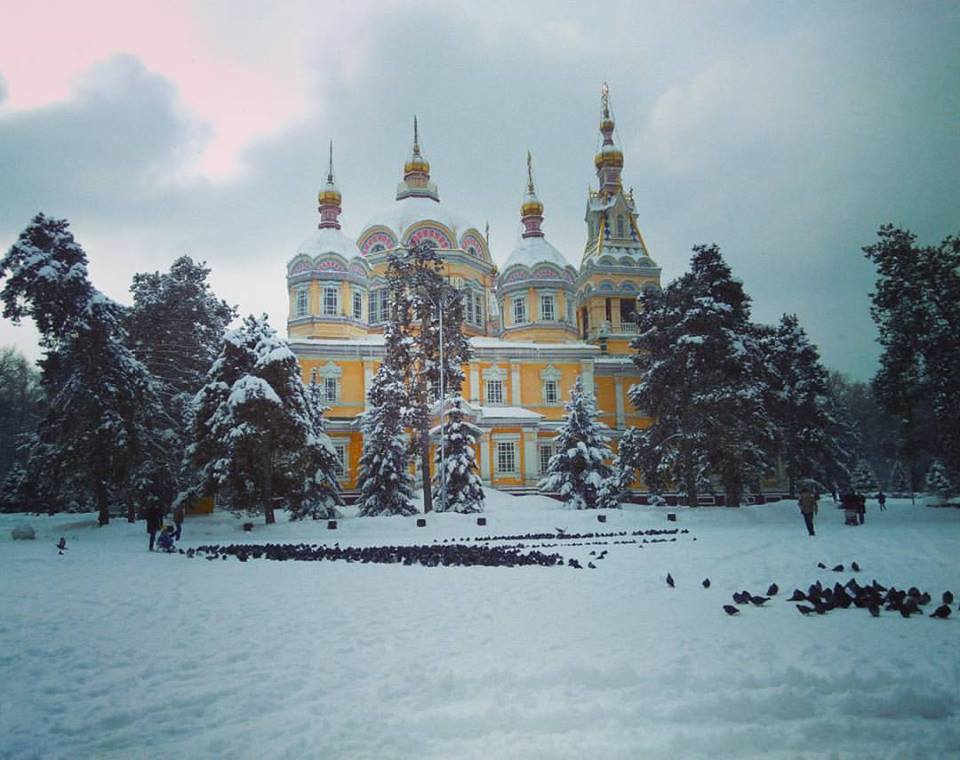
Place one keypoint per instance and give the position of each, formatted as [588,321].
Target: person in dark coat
[882,501]
[861,507]
[178,522]
[154,523]
[808,508]
[850,504]
[165,541]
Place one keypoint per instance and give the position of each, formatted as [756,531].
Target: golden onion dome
[606,124]
[531,207]
[416,163]
[329,196]
[609,155]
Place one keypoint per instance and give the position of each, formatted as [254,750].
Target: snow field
[112,652]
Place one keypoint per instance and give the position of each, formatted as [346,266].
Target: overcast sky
[784,132]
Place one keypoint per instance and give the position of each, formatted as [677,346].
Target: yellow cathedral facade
[535,324]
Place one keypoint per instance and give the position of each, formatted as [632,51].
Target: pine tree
[628,462]
[703,381]
[314,492]
[21,406]
[798,398]
[104,424]
[463,490]
[863,479]
[577,471]
[385,482]
[938,482]
[254,431]
[899,483]
[915,309]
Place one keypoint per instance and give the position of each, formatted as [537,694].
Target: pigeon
[874,609]
[759,601]
[670,580]
[61,545]
[773,590]
[798,596]
[730,609]
[821,566]
[706,583]
[591,566]
[948,597]
[855,567]
[837,568]
[804,610]
[942,612]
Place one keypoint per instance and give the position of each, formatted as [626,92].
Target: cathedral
[536,323]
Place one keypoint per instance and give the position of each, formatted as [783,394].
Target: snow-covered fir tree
[581,463]
[863,480]
[914,305]
[255,435]
[176,327]
[629,461]
[703,382]
[463,490]
[314,489]
[899,482]
[386,487]
[102,433]
[798,398]
[938,481]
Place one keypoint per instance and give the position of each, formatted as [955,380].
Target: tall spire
[416,172]
[609,159]
[329,199]
[531,212]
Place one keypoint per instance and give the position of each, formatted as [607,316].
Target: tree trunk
[425,469]
[131,511]
[103,505]
[268,515]
[690,477]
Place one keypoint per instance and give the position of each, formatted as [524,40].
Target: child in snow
[165,539]
[851,507]
[808,508]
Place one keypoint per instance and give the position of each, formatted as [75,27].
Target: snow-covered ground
[109,651]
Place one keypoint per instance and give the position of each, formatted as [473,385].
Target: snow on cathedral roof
[409,211]
[328,240]
[535,250]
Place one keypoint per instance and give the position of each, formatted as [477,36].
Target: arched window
[620,228]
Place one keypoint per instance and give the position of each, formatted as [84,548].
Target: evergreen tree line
[157,404]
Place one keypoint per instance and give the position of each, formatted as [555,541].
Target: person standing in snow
[808,508]
[178,522]
[882,501]
[861,507]
[154,523]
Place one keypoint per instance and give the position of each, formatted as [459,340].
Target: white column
[485,458]
[586,374]
[474,383]
[367,380]
[621,411]
[515,382]
[530,463]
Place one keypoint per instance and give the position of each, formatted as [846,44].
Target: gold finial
[330,164]
[605,100]
[416,137]
[486,234]
[529,173]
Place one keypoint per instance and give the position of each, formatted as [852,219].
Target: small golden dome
[329,196]
[609,155]
[417,163]
[532,207]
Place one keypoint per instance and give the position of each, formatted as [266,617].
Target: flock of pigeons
[820,599]
[451,555]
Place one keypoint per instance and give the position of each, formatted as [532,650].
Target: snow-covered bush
[23,533]
[579,468]
[938,482]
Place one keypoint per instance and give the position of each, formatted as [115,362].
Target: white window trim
[556,385]
[331,371]
[515,471]
[520,301]
[541,447]
[486,391]
[336,301]
[553,307]
[342,444]
[302,292]
[357,301]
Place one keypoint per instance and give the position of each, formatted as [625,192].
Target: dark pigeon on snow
[670,580]
[773,590]
[730,609]
[942,612]
[706,583]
